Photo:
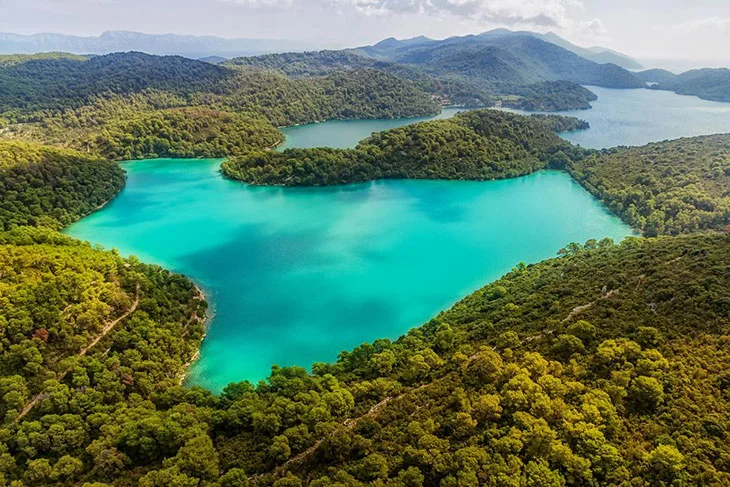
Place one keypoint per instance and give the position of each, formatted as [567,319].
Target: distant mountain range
[501,56]
[600,55]
[211,46]
[119,41]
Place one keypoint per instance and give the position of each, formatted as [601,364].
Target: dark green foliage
[184,132]
[62,82]
[452,88]
[549,96]
[671,187]
[110,105]
[52,187]
[339,95]
[708,84]
[560,124]
[479,145]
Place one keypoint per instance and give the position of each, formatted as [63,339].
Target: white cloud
[260,3]
[539,13]
[712,24]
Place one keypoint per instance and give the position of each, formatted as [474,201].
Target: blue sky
[667,29]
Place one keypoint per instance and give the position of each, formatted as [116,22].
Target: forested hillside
[513,57]
[607,366]
[708,84]
[184,132]
[451,88]
[481,144]
[107,105]
[52,187]
[672,187]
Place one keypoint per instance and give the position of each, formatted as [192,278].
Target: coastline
[200,296]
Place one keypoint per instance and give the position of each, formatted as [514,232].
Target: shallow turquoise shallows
[297,275]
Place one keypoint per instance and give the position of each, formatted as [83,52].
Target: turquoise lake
[297,275]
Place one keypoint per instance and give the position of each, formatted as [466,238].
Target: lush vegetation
[450,88]
[708,83]
[672,187]
[482,144]
[549,96]
[53,187]
[87,338]
[109,105]
[184,132]
[606,366]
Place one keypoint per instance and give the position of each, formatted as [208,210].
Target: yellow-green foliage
[670,187]
[606,366]
[184,132]
[49,186]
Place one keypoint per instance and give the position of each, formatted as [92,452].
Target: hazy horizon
[693,33]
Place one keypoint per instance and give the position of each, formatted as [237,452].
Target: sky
[646,29]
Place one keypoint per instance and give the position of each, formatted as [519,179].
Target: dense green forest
[708,84]
[450,88]
[671,187]
[606,366]
[548,96]
[184,132]
[480,144]
[53,187]
[582,370]
[108,105]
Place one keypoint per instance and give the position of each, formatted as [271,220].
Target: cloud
[260,3]
[711,24]
[540,13]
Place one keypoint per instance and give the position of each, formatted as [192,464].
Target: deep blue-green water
[637,117]
[297,275]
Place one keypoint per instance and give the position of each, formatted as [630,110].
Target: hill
[52,187]
[708,84]
[671,187]
[449,89]
[655,75]
[666,188]
[600,55]
[502,56]
[605,366]
[481,145]
[70,101]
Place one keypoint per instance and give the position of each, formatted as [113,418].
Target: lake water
[297,275]
[637,117]
[347,133]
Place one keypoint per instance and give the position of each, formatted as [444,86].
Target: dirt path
[349,423]
[105,331]
[110,326]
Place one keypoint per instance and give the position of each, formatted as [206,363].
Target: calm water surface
[347,133]
[637,117]
[297,275]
